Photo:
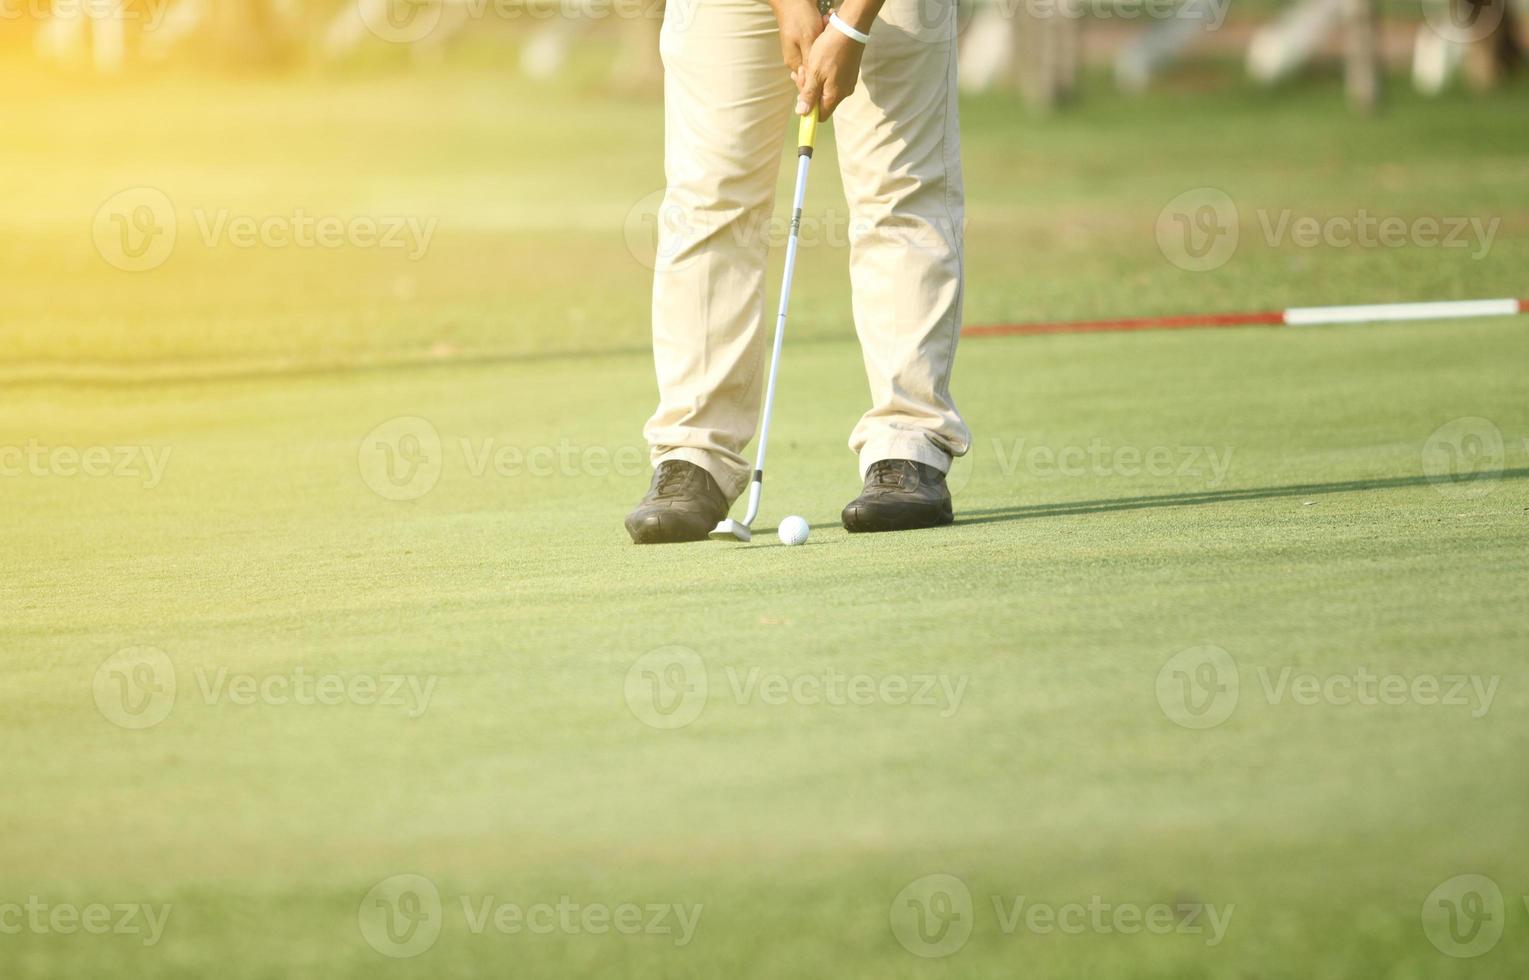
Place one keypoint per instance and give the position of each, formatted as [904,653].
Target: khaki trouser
[727,101]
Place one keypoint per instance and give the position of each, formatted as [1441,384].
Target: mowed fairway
[1323,503]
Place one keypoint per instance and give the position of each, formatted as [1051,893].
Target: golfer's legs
[727,98]
[900,157]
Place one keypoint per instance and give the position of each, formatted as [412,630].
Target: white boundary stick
[1296,316]
[1310,316]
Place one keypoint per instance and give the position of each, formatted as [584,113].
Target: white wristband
[839,24]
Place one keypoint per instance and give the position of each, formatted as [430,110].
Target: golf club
[742,530]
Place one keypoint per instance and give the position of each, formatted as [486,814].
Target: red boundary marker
[1270,319]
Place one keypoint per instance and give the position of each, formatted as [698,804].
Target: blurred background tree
[1042,49]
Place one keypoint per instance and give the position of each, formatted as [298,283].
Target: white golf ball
[793,530]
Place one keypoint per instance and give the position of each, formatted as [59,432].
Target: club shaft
[804,161]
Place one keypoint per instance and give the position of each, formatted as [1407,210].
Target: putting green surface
[348,663]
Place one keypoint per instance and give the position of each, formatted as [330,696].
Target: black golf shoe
[900,495]
[683,504]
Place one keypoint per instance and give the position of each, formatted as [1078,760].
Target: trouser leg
[899,146]
[727,100]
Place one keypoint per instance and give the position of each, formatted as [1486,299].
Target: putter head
[731,530]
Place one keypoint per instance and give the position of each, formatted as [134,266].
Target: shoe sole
[864,519]
[654,529]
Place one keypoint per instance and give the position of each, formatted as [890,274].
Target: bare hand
[800,24]
[830,75]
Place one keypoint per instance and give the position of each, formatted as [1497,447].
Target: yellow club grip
[807,133]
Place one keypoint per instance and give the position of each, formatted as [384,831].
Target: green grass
[1323,547]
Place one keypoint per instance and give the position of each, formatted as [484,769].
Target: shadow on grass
[995,514]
